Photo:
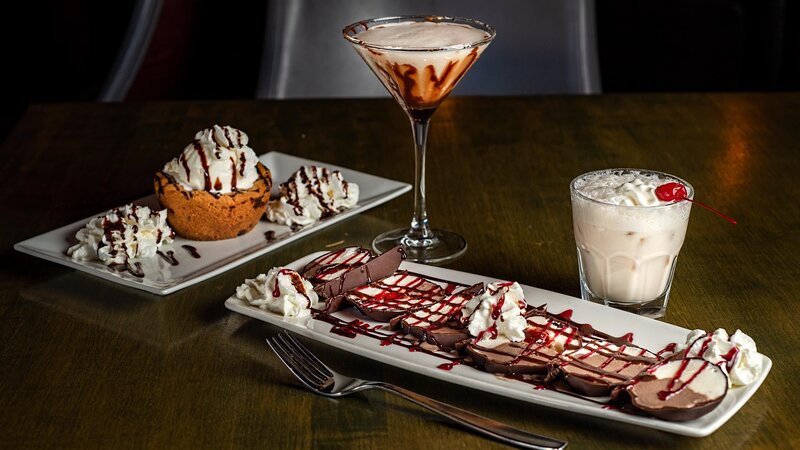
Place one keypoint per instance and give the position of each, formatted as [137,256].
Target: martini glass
[420,59]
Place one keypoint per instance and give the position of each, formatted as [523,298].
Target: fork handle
[480,424]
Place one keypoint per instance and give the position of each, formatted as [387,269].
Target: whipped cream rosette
[736,353]
[218,161]
[123,234]
[282,291]
[311,194]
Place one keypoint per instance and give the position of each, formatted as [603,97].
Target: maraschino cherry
[676,192]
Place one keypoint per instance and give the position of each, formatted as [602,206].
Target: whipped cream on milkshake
[628,240]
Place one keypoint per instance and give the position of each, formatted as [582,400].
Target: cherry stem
[729,219]
[677,192]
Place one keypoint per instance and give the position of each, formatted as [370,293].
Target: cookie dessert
[216,189]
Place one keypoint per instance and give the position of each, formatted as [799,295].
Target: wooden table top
[87,363]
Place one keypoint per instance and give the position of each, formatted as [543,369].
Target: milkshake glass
[627,239]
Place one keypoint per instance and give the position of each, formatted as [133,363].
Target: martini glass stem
[419,234]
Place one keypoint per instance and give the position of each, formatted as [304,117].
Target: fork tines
[303,364]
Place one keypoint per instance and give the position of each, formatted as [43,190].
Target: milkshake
[627,239]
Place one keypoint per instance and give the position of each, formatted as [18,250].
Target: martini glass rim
[354,29]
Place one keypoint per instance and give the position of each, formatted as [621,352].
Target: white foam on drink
[628,188]
[422,35]
[628,200]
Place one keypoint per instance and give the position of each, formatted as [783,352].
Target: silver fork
[321,379]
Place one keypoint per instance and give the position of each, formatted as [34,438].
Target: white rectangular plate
[647,333]
[215,256]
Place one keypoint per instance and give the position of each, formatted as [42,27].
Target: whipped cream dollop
[282,291]
[736,353]
[312,193]
[218,161]
[629,188]
[497,315]
[124,233]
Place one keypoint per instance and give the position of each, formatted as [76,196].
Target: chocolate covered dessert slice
[677,390]
[546,337]
[339,271]
[395,295]
[441,324]
[333,265]
[600,364]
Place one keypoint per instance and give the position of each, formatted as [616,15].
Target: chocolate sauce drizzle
[422,91]
[380,332]
[312,179]
[236,172]
[114,234]
[297,283]
[192,250]
[169,257]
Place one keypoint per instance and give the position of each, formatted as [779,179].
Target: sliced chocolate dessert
[440,324]
[676,390]
[333,265]
[395,295]
[600,365]
[546,337]
[337,272]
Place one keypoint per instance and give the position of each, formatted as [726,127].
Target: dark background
[61,50]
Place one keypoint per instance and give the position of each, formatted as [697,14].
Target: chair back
[542,47]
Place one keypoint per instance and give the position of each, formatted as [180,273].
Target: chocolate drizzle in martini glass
[419,60]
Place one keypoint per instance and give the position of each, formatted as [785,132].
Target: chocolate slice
[333,265]
[546,337]
[676,390]
[440,324]
[395,295]
[337,272]
[600,365]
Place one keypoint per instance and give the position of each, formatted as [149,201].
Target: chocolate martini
[420,59]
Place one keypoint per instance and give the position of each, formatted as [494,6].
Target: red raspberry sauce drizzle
[671,389]
[327,267]
[415,293]
[548,334]
[437,315]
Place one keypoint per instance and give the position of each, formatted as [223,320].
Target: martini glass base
[445,246]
